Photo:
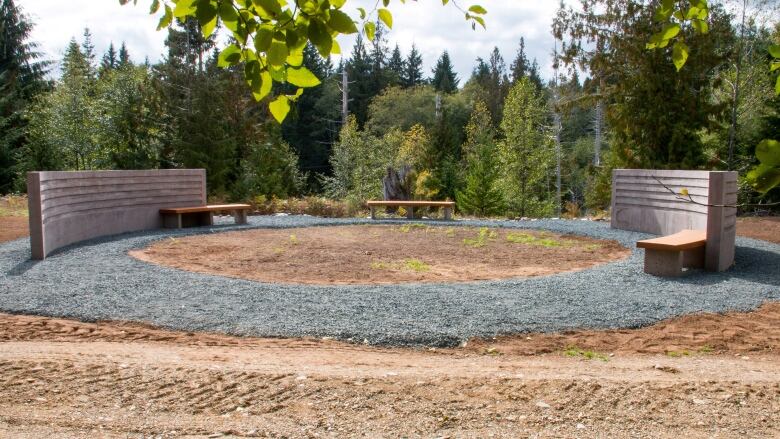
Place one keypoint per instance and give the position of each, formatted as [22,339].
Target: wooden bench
[178,217]
[410,205]
[668,255]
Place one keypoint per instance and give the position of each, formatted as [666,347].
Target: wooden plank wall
[68,207]
[641,204]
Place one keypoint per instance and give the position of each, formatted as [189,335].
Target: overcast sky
[429,25]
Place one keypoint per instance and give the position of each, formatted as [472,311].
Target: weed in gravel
[293,240]
[543,240]
[485,235]
[574,351]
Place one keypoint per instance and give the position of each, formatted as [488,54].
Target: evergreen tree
[396,67]
[124,57]
[379,76]
[520,66]
[109,61]
[492,83]
[482,194]
[88,50]
[526,153]
[444,77]
[359,68]
[413,75]
[22,77]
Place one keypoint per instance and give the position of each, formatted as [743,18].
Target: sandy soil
[13,227]
[696,376]
[381,254]
[766,228]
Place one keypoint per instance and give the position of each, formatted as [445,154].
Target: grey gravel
[97,280]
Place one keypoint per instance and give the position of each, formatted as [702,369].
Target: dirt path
[696,376]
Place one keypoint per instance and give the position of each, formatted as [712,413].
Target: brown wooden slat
[209,208]
[687,239]
[411,203]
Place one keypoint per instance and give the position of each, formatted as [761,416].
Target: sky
[432,27]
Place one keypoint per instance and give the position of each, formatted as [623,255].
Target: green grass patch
[406,228]
[293,240]
[574,351]
[678,354]
[415,265]
[543,240]
[484,236]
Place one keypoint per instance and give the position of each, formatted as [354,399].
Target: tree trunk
[395,185]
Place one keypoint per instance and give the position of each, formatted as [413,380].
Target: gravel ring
[97,280]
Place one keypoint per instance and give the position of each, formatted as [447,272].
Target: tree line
[495,142]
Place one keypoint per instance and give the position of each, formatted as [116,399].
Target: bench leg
[206,219]
[409,212]
[447,213]
[239,216]
[693,258]
[373,212]
[663,263]
[172,221]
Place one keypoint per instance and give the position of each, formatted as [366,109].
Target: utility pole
[557,128]
[598,118]
[344,96]
[438,106]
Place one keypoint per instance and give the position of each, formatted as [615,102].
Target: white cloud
[426,23]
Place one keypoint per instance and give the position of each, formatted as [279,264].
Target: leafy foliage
[269,36]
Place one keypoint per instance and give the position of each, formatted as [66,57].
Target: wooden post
[721,221]
[409,212]
[373,212]
[35,215]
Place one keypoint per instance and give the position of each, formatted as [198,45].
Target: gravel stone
[97,280]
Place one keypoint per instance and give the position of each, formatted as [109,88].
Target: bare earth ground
[381,254]
[696,376]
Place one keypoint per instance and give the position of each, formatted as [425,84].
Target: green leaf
[764,178]
[229,56]
[165,20]
[370,29]
[279,108]
[701,26]
[670,31]
[302,77]
[263,39]
[386,17]
[774,50]
[207,17]
[155,6]
[774,66]
[777,86]
[768,152]
[320,37]
[277,54]
[228,15]
[480,20]
[477,9]
[341,22]
[184,8]
[362,13]
[679,54]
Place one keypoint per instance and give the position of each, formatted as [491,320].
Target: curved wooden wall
[68,207]
[641,203]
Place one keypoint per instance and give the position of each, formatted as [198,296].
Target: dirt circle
[381,254]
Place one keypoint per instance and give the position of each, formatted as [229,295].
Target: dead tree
[396,185]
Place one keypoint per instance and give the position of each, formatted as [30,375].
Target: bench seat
[410,205]
[194,216]
[668,255]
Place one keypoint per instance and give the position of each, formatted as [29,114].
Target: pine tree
[109,61]
[520,66]
[88,50]
[396,66]
[124,57]
[361,90]
[22,77]
[444,77]
[482,194]
[413,72]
